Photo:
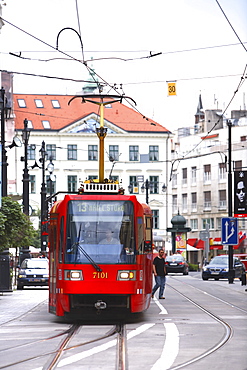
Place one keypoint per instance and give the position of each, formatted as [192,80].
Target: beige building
[199,175]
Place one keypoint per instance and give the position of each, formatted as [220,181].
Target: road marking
[170,349]
[103,347]
[162,308]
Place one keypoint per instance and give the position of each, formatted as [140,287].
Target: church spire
[199,112]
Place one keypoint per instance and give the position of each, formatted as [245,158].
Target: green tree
[16,230]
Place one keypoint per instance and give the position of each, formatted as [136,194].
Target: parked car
[33,272]
[218,268]
[176,263]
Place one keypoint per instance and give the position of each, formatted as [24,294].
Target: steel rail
[226,337]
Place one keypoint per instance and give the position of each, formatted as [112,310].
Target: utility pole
[230,247]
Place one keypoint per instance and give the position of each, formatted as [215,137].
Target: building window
[154,184]
[113,153]
[218,223]
[32,181]
[243,138]
[29,124]
[155,218]
[55,104]
[184,176]
[72,183]
[51,151]
[38,103]
[133,185]
[50,185]
[237,165]
[92,152]
[153,153]
[207,173]
[174,204]
[174,180]
[92,177]
[193,175]
[222,199]
[193,202]
[31,151]
[209,221]
[222,171]
[194,224]
[46,124]
[133,152]
[114,178]
[207,200]
[72,152]
[21,103]
[184,203]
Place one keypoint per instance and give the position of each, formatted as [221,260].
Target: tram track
[55,355]
[228,329]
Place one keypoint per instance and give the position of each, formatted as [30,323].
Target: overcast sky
[200,50]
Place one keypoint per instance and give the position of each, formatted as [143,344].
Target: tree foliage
[16,230]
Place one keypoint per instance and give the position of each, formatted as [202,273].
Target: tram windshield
[100,231]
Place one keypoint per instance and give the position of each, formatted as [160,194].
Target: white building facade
[131,156]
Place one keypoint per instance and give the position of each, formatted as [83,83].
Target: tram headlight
[126,275]
[73,275]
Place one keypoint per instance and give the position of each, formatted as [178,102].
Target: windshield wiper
[77,246]
[82,250]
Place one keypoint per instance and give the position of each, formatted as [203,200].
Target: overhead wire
[231,25]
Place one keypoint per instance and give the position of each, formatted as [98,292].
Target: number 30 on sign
[172,88]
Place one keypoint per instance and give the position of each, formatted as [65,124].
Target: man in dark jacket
[159,270]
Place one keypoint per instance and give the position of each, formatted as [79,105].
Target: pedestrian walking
[159,270]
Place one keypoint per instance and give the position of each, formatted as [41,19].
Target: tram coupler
[100,305]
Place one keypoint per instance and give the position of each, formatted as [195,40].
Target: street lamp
[25,139]
[4,156]
[44,220]
[146,186]
[50,168]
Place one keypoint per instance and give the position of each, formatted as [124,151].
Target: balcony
[207,206]
[222,204]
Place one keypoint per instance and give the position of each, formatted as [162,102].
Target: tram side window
[148,236]
[61,241]
[140,232]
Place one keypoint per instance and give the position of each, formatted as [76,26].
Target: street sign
[229,231]
[171,88]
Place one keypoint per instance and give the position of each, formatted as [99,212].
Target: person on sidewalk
[159,270]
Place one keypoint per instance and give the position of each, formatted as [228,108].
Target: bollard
[243,279]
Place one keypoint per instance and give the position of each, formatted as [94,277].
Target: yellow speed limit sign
[172,88]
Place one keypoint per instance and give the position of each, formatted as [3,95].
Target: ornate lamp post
[44,220]
[50,168]
[4,156]
[146,186]
[25,139]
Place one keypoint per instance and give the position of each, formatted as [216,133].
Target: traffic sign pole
[230,248]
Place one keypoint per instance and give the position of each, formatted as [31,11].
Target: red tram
[100,249]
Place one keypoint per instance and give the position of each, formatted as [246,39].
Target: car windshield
[34,264]
[219,260]
[174,258]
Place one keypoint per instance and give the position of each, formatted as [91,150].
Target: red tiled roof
[120,115]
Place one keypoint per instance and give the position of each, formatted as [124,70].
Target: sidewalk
[18,302]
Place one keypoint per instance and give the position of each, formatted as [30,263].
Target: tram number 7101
[100,275]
